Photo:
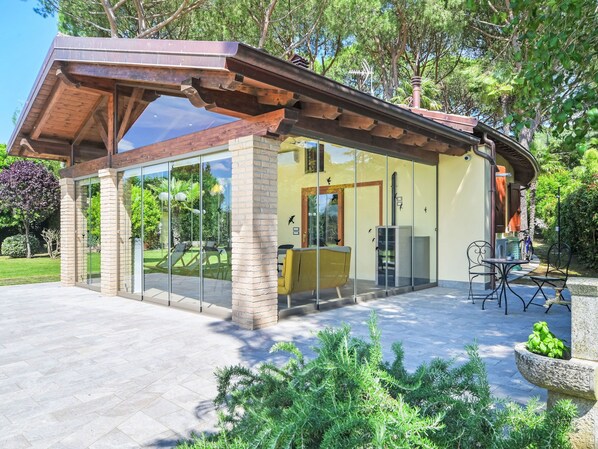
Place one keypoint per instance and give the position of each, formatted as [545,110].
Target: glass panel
[425,238]
[94,235]
[370,224]
[185,215]
[130,232]
[88,232]
[156,118]
[336,178]
[155,230]
[400,188]
[216,241]
[81,229]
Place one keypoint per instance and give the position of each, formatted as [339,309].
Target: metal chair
[477,251]
[557,272]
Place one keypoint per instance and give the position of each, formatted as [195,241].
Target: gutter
[491,158]
[266,68]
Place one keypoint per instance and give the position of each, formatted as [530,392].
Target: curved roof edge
[513,152]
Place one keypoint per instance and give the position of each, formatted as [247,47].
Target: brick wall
[254,231]
[109,230]
[67,232]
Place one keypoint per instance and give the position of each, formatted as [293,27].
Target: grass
[40,268]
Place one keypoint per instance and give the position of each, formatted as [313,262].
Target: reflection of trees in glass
[328,222]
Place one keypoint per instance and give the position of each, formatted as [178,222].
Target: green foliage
[15,246]
[347,397]
[579,221]
[558,46]
[544,342]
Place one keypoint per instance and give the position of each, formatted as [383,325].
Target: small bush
[15,246]
[544,342]
[347,397]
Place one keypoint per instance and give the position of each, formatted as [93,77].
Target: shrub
[543,342]
[16,246]
[347,397]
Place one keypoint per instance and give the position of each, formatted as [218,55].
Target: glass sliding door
[130,233]
[88,230]
[216,237]
[424,225]
[371,233]
[157,256]
[185,241]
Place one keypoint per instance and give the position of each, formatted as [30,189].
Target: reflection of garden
[216,263]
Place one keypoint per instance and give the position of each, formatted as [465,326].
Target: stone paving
[78,370]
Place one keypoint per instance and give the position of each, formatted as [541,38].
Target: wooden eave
[67,116]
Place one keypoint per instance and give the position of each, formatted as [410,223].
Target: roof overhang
[84,71]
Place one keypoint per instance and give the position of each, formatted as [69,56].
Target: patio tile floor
[79,370]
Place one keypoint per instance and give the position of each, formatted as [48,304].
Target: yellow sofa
[299,270]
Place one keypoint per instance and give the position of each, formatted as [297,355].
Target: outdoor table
[504,267]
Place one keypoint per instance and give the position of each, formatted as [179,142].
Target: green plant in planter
[543,342]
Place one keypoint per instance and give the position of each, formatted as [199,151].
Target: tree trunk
[26,225]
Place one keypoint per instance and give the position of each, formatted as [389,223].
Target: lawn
[40,268]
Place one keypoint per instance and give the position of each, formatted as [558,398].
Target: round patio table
[504,267]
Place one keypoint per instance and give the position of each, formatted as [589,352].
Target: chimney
[416,83]
[299,61]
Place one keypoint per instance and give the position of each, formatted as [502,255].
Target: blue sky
[26,38]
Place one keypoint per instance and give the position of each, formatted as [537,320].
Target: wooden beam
[235,104]
[331,131]
[277,97]
[102,126]
[59,149]
[415,139]
[111,124]
[44,115]
[85,168]
[136,95]
[357,122]
[88,121]
[387,131]
[320,110]
[275,122]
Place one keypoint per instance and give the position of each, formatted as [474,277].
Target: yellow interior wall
[463,212]
[339,166]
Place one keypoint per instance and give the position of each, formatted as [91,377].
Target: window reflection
[166,117]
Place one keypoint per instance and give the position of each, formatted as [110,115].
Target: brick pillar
[254,231]
[68,255]
[109,230]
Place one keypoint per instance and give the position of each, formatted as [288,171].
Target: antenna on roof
[367,72]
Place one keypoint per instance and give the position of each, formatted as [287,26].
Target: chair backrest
[559,258]
[478,251]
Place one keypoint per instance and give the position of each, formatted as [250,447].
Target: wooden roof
[70,114]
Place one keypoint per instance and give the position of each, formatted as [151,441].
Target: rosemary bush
[347,397]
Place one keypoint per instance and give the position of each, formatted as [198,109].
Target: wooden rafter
[44,115]
[332,131]
[88,121]
[415,139]
[320,110]
[357,122]
[125,122]
[277,97]
[102,126]
[388,131]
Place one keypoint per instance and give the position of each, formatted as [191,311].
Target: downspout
[492,159]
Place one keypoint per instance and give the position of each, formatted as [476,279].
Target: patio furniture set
[482,263]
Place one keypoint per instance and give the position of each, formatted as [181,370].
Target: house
[215,177]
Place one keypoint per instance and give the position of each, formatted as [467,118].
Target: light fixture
[180,196]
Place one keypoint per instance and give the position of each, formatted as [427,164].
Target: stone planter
[575,379]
